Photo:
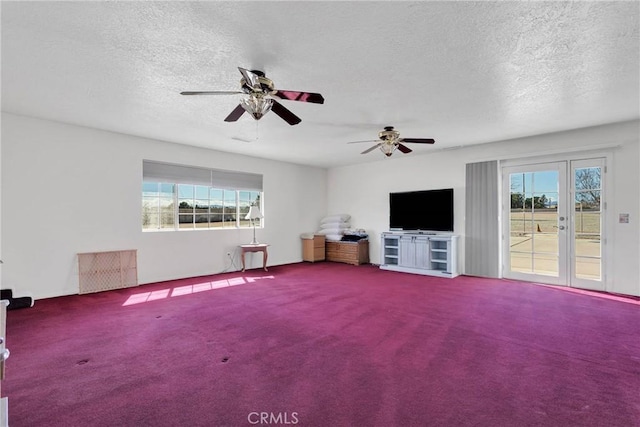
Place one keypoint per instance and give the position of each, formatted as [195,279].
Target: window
[158,205]
[176,197]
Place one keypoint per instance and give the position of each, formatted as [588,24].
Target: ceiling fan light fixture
[257,106]
[388,149]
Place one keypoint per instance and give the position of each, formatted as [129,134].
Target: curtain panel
[482,220]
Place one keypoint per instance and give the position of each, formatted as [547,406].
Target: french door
[553,223]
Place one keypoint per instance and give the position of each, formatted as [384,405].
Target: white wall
[363,190]
[1,287]
[68,189]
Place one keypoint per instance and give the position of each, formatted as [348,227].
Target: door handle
[4,356]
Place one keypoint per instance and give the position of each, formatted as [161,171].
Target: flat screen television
[428,210]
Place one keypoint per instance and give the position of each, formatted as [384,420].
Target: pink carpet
[326,344]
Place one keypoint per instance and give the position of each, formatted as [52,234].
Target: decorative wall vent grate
[104,271]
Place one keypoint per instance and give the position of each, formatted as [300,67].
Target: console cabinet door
[414,252]
[407,252]
[421,247]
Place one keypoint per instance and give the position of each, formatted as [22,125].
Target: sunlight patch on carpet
[143,297]
[598,294]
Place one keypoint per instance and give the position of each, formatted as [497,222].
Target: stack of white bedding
[334,226]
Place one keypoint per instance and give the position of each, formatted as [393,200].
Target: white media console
[419,253]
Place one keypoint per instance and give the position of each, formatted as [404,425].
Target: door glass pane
[533,222]
[588,268]
[521,262]
[545,217]
[588,223]
[545,264]
[545,243]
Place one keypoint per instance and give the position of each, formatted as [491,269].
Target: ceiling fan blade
[285,114]
[239,138]
[418,140]
[358,142]
[404,148]
[216,92]
[292,95]
[372,148]
[251,78]
[235,114]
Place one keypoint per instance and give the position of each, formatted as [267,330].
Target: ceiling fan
[261,96]
[389,139]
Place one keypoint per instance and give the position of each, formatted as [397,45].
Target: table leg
[242,257]
[264,259]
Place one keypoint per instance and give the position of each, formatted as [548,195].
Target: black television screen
[428,210]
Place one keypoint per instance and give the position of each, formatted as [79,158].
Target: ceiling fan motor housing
[266,85]
[388,134]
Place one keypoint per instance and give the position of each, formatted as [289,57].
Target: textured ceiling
[459,72]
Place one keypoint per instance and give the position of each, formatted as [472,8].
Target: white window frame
[247,189]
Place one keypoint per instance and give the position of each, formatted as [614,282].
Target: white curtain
[482,220]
